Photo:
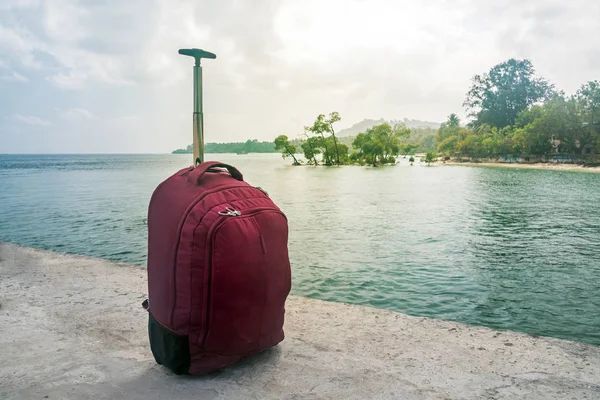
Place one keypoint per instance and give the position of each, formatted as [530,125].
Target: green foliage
[450,135]
[249,146]
[497,97]
[380,144]
[287,149]
[453,121]
[411,159]
[586,109]
[410,149]
[512,122]
[320,128]
[333,118]
[430,157]
[419,141]
[311,149]
[324,141]
[341,151]
[357,158]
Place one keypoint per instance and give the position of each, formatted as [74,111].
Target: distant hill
[359,127]
[415,123]
[365,124]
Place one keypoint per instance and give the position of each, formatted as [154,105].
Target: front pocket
[169,349]
[249,283]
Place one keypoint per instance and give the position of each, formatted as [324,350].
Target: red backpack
[218,270]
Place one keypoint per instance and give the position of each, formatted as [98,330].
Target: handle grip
[198,54]
[209,166]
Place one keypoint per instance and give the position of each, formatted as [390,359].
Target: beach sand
[547,166]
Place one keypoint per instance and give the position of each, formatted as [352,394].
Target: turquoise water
[504,248]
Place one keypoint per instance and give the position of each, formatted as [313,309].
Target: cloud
[129,118]
[11,75]
[19,43]
[109,43]
[53,39]
[15,77]
[32,120]
[76,114]
[282,62]
[15,4]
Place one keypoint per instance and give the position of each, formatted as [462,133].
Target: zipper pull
[229,211]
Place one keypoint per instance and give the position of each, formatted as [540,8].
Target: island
[516,117]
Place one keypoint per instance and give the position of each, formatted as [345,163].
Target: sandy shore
[549,166]
[73,328]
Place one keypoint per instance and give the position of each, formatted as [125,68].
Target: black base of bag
[169,349]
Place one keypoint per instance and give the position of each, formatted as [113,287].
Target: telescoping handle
[198,117]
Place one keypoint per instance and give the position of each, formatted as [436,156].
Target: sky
[105,76]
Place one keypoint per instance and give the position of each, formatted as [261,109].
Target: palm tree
[453,120]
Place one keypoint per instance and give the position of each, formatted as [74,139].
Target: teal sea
[514,249]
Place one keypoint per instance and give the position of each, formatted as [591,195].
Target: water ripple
[508,249]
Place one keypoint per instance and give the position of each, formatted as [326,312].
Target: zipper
[229,211]
[181,222]
[211,235]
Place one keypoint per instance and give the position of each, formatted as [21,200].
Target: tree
[319,128]
[331,149]
[587,100]
[287,149]
[380,144]
[535,128]
[410,149]
[430,157]
[450,135]
[310,147]
[453,121]
[341,150]
[497,97]
[411,160]
[333,118]
[449,146]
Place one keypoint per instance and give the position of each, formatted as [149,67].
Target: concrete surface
[73,328]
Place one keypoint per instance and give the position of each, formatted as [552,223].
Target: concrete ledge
[73,328]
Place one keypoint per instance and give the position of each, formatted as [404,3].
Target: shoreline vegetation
[517,119]
[422,139]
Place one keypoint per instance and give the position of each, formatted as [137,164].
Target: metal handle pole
[198,143]
[198,139]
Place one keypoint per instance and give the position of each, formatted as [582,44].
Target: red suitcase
[218,266]
[218,270]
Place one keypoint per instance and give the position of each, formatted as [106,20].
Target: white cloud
[18,77]
[63,21]
[21,44]
[15,4]
[129,118]
[76,114]
[282,62]
[85,67]
[15,77]
[33,120]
